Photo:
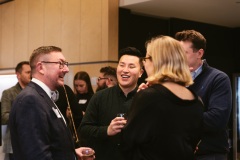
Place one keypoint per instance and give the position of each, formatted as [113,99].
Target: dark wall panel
[236,56]
[134,29]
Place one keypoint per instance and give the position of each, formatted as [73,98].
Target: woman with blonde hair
[165,119]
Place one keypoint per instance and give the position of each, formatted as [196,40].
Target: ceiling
[218,12]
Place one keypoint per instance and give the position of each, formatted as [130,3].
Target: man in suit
[22,71]
[38,129]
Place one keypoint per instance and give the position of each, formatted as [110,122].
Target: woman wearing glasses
[165,119]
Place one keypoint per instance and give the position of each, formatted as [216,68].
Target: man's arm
[220,105]
[90,126]
[6,104]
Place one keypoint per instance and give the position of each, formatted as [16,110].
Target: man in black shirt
[100,126]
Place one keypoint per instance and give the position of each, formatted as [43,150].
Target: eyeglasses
[144,58]
[61,64]
[100,78]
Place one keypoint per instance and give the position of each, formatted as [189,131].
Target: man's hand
[116,126]
[80,153]
[68,112]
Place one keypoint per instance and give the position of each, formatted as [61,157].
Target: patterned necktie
[54,95]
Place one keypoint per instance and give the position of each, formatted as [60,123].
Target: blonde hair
[169,61]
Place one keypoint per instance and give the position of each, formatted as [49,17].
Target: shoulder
[30,99]
[68,89]
[214,74]
[104,95]
[65,90]
[13,91]
[13,88]
[213,71]
[218,76]
[216,71]
[107,91]
[151,91]
[31,94]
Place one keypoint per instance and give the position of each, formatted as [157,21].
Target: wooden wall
[86,30]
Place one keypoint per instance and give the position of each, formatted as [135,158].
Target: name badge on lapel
[56,112]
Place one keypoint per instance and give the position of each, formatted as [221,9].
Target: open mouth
[125,76]
[61,77]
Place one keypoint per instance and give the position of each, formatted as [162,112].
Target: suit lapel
[51,104]
[45,97]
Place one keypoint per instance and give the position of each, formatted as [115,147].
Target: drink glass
[88,154]
[121,115]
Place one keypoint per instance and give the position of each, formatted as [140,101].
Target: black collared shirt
[102,109]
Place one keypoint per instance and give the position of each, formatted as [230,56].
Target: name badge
[56,112]
[82,101]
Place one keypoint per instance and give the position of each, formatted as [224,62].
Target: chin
[60,83]
[124,85]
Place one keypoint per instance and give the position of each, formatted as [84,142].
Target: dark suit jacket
[37,133]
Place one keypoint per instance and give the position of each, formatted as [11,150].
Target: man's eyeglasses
[100,78]
[144,58]
[61,64]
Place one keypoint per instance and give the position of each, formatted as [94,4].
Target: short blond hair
[169,61]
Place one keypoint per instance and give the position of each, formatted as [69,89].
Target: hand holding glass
[88,154]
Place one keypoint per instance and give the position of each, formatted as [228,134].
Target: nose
[78,88]
[65,69]
[125,69]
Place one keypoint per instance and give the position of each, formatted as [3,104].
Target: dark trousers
[212,157]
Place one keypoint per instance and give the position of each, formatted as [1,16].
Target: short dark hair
[132,51]
[197,39]
[19,66]
[108,71]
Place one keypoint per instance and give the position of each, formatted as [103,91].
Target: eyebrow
[127,63]
[62,60]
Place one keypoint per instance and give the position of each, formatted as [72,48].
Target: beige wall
[86,30]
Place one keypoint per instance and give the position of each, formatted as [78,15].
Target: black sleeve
[76,110]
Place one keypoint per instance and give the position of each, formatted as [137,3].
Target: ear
[108,81]
[18,75]
[40,68]
[141,72]
[200,53]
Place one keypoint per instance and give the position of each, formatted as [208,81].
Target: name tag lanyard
[71,122]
